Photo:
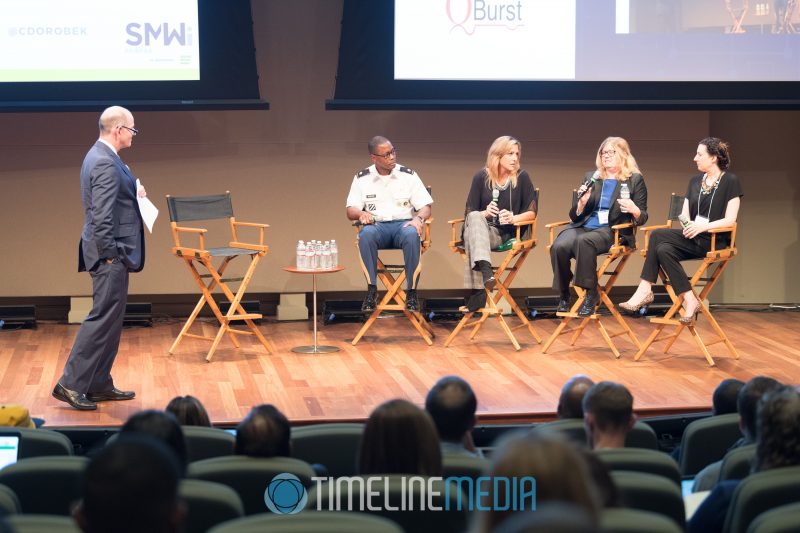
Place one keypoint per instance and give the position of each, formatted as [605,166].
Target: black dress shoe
[411,301]
[475,301]
[370,301]
[564,305]
[588,305]
[78,400]
[111,395]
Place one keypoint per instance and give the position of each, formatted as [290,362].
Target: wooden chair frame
[200,256]
[714,263]
[395,291]
[611,267]
[504,274]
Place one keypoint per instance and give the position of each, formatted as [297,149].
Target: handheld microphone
[588,183]
[495,198]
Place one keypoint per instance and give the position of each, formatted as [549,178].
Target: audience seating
[208,504]
[249,476]
[737,463]
[42,442]
[205,443]
[45,485]
[9,503]
[38,523]
[641,435]
[783,519]
[641,460]
[636,521]
[706,441]
[318,522]
[462,465]
[454,520]
[333,445]
[653,493]
[761,492]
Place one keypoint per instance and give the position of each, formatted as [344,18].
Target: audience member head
[570,403]
[778,442]
[188,411]
[452,405]
[560,471]
[720,149]
[747,403]
[725,396]
[608,414]
[131,485]
[621,157]
[163,427]
[264,432]
[14,415]
[399,438]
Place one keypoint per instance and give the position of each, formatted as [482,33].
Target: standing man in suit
[111,246]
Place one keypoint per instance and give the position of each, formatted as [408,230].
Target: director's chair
[737,18]
[394,289]
[215,207]
[517,250]
[610,269]
[714,262]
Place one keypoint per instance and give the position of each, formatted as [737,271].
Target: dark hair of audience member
[399,438]
[560,470]
[725,396]
[747,402]
[610,403]
[264,432]
[778,442]
[570,403]
[163,427]
[189,411]
[131,485]
[452,405]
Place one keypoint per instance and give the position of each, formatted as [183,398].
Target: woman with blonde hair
[614,193]
[501,195]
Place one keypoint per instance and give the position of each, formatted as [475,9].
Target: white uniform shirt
[392,197]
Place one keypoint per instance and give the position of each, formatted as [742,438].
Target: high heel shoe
[689,320]
[634,308]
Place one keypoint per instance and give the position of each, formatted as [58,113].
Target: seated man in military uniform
[392,204]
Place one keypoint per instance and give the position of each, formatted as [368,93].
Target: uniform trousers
[584,245]
[666,249]
[386,236]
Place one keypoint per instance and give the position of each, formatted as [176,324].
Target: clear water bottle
[301,254]
[318,254]
[326,255]
[624,191]
[309,255]
[334,254]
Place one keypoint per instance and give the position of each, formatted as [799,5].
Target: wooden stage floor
[391,362]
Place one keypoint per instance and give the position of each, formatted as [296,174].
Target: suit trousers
[479,240]
[88,368]
[584,245]
[666,249]
[389,235]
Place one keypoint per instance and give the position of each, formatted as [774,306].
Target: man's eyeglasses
[387,155]
[608,153]
[133,131]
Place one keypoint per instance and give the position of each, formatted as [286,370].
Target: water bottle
[624,191]
[310,255]
[326,255]
[334,254]
[317,254]
[301,254]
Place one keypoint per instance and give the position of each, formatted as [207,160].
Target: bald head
[570,403]
[114,117]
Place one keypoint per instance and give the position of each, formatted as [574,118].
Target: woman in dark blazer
[601,204]
[712,201]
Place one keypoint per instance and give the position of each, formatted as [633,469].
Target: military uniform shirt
[392,197]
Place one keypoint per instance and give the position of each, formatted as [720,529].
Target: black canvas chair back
[190,208]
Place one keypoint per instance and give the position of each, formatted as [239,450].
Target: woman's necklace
[705,188]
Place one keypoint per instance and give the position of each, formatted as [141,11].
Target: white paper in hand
[147,209]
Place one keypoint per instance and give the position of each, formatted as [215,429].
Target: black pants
[584,245]
[666,249]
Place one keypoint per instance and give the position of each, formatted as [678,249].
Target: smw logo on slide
[469,15]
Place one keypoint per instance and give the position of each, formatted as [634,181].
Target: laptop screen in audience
[9,449]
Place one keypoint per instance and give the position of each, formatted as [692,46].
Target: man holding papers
[111,246]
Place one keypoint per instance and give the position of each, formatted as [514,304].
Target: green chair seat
[506,246]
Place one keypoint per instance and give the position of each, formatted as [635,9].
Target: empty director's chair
[394,289]
[215,207]
[607,273]
[517,250]
[706,276]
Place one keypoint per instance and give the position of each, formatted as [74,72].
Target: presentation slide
[99,41]
[597,40]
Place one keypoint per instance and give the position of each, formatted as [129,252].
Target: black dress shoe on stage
[588,305]
[564,305]
[111,395]
[370,300]
[412,304]
[78,400]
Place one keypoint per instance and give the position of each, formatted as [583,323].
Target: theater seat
[316,521]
